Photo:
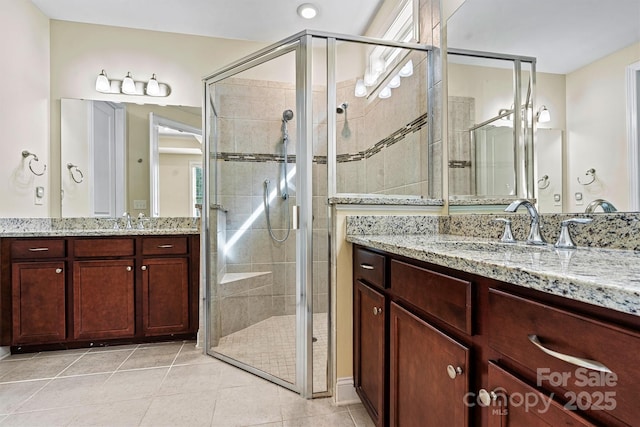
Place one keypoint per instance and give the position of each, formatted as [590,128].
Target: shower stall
[273,137]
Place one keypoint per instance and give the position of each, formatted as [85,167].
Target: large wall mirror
[127,157]
[586,80]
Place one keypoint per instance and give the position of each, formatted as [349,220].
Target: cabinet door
[103,299]
[165,293]
[38,296]
[369,357]
[513,403]
[428,374]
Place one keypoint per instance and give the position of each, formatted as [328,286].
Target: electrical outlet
[139,204]
[579,199]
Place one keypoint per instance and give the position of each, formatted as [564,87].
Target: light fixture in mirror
[543,115]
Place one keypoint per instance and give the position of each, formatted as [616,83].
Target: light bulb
[102,83]
[128,85]
[407,69]
[153,89]
[543,115]
[394,82]
[385,93]
[361,89]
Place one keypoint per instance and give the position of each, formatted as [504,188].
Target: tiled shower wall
[461,155]
[386,151]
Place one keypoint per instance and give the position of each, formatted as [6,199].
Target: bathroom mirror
[106,158]
[584,56]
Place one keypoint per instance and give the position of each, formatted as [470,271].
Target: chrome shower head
[287,115]
[342,108]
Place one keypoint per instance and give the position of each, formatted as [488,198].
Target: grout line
[123,362]
[71,364]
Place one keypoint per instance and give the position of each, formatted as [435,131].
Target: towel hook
[592,173]
[543,182]
[73,168]
[26,154]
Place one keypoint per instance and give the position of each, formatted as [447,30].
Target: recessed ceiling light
[307,11]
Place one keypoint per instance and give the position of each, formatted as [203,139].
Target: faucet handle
[507,236]
[564,240]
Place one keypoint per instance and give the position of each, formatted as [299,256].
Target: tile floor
[164,384]
[270,345]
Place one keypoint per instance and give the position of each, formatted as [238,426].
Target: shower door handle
[295,214]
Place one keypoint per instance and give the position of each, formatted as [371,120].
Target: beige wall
[24,110]
[596,130]
[80,51]
[175,184]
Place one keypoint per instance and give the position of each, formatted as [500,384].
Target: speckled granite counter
[60,227]
[605,277]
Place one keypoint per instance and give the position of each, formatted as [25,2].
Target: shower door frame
[301,45]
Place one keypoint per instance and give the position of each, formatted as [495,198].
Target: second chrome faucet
[535,236]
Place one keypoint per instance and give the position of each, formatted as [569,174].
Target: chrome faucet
[535,236]
[128,225]
[606,206]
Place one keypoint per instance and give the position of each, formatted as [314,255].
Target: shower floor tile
[270,346]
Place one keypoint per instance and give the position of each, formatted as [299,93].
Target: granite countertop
[608,278]
[98,232]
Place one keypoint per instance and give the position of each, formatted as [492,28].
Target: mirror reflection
[587,81]
[108,153]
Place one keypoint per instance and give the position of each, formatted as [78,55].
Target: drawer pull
[143,268]
[129,268]
[38,249]
[578,361]
[165,246]
[453,372]
[377,310]
[58,270]
[367,266]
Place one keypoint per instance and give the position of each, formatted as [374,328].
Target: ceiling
[256,20]
[563,35]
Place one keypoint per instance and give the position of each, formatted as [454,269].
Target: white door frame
[633,109]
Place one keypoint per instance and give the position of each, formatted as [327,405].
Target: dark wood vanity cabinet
[75,291]
[460,349]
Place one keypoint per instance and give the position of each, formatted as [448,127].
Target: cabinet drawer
[515,322]
[36,249]
[103,247]
[442,296]
[369,267]
[164,245]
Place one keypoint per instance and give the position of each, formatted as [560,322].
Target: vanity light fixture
[394,82]
[543,115]
[307,11]
[385,93]
[129,86]
[407,69]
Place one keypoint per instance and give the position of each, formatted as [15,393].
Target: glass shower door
[253,285]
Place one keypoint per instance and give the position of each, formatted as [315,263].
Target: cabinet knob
[377,310]
[129,268]
[453,372]
[143,268]
[486,397]
[58,270]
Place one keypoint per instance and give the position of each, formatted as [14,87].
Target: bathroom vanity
[468,332]
[79,289]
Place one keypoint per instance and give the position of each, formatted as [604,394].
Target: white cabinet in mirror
[590,86]
[125,157]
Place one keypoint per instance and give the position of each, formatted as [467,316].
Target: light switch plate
[39,196]
[139,204]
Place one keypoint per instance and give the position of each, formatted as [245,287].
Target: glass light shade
[407,69]
[102,83]
[394,82]
[361,89]
[385,93]
[543,115]
[153,88]
[128,85]
[369,79]
[307,11]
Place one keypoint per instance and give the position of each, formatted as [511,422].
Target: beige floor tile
[122,347]
[129,385]
[361,417]
[12,395]
[92,363]
[302,408]
[66,392]
[203,378]
[186,409]
[114,414]
[340,419]
[58,353]
[47,418]
[259,405]
[190,355]
[231,376]
[151,357]
[38,368]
